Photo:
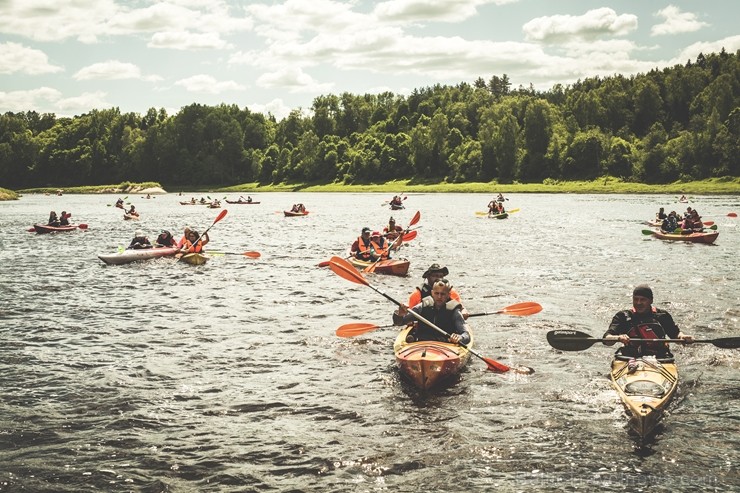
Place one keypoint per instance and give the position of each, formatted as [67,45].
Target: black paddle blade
[727,342]
[570,340]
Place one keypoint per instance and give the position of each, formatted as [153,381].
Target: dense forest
[679,123]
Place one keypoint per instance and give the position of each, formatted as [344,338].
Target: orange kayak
[391,267]
[429,364]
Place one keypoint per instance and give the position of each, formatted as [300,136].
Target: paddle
[573,340]
[732,214]
[249,254]
[345,270]
[518,309]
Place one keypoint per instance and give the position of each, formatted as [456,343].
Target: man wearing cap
[434,273]
[362,248]
[644,321]
[140,241]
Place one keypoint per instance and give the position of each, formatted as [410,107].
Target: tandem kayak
[128,256]
[294,214]
[194,258]
[241,202]
[391,267]
[429,364]
[45,228]
[707,237]
[645,390]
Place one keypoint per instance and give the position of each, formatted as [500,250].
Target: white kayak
[128,256]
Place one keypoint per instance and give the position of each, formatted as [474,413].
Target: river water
[164,377]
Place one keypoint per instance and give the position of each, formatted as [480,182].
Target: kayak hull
[429,364]
[295,214]
[391,267]
[503,215]
[397,207]
[130,217]
[194,258]
[645,392]
[44,228]
[242,203]
[129,256]
[708,237]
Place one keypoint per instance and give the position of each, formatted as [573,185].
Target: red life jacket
[649,329]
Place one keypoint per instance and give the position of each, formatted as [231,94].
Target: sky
[68,57]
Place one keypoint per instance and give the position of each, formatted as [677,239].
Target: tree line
[679,123]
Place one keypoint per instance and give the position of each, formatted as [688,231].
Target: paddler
[434,273]
[362,248]
[192,244]
[139,242]
[644,321]
[441,310]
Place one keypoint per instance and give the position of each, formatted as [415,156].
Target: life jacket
[382,252]
[442,318]
[363,250]
[421,292]
[646,328]
[197,248]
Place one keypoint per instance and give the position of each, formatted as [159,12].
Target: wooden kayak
[45,228]
[128,256]
[429,364]
[294,214]
[645,391]
[391,267]
[706,237]
[128,217]
[194,258]
[242,202]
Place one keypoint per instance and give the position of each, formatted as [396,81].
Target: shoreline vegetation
[608,185]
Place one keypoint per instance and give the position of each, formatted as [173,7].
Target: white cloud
[83,103]
[16,58]
[676,22]
[207,84]
[276,108]
[431,10]
[182,40]
[591,25]
[293,79]
[731,44]
[112,70]
[33,99]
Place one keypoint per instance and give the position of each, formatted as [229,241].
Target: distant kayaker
[660,215]
[643,321]
[298,208]
[132,211]
[165,239]
[439,309]
[670,223]
[500,198]
[495,207]
[119,203]
[192,244]
[139,242]
[64,219]
[362,248]
[53,219]
[393,230]
[434,273]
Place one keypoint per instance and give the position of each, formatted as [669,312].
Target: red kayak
[294,214]
[391,267]
[45,228]
[241,202]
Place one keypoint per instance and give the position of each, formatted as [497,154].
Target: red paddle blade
[355,329]
[410,235]
[252,254]
[82,226]
[221,216]
[415,219]
[325,263]
[732,214]
[523,309]
[344,269]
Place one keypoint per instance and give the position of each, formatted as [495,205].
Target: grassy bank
[6,194]
[713,186]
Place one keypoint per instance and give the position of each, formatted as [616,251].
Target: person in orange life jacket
[184,238]
[439,309]
[193,244]
[434,273]
[362,248]
[643,321]
[380,245]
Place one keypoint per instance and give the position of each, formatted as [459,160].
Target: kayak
[242,202]
[645,391]
[397,207]
[128,256]
[503,215]
[45,228]
[130,216]
[707,237]
[294,214]
[391,267]
[194,258]
[429,364]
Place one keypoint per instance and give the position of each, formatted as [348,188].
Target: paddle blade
[221,215]
[708,223]
[570,340]
[732,214]
[648,232]
[512,211]
[82,226]
[355,329]
[494,365]
[31,229]
[325,263]
[410,235]
[727,342]
[522,309]
[371,268]
[252,254]
[415,219]
[344,269]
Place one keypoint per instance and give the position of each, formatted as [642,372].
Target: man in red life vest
[644,321]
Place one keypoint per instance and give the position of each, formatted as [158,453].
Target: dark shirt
[657,321]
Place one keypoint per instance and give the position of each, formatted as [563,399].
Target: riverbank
[713,186]
[6,194]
